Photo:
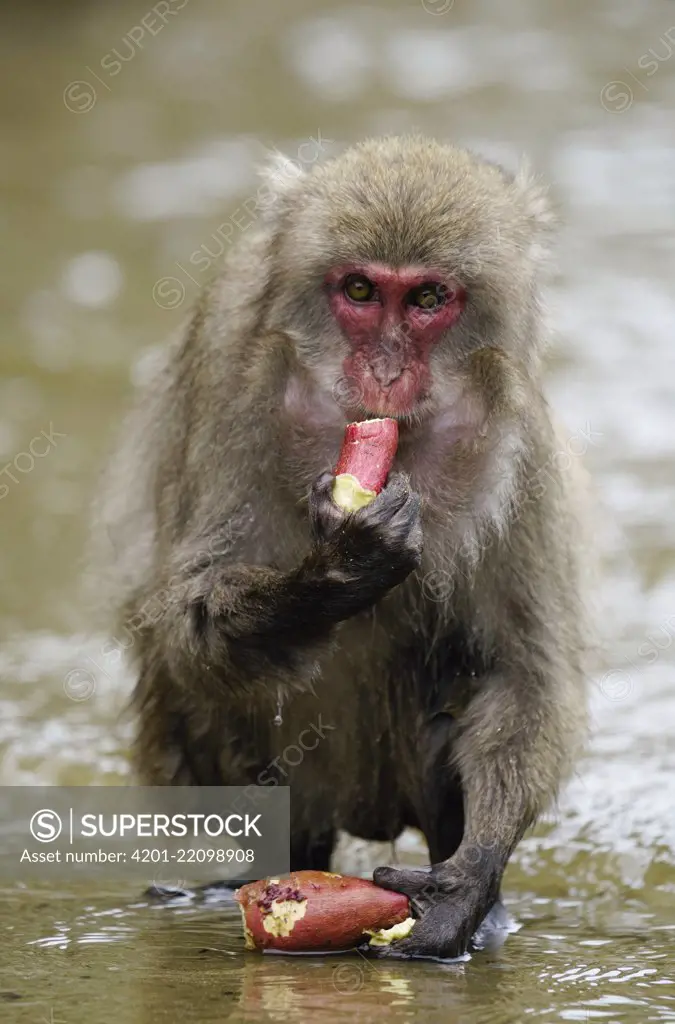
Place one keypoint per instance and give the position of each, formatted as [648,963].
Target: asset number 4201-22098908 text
[194,856]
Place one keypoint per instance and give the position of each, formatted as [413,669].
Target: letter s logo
[45,826]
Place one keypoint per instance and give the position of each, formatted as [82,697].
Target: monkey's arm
[257,623]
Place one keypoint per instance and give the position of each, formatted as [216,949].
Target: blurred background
[130,135]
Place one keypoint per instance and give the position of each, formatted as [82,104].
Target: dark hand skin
[373,549]
[449,903]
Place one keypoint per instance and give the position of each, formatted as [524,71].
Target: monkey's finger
[393,951]
[407,949]
[421,948]
[411,883]
[325,516]
[324,480]
[322,489]
[398,482]
[390,499]
[408,517]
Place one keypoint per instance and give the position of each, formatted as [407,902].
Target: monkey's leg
[511,749]
[442,819]
[440,801]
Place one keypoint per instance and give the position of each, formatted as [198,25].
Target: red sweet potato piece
[366,457]
[310,911]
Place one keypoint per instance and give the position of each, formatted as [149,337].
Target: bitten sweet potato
[366,457]
[314,911]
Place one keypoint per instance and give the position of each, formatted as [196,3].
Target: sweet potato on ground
[310,911]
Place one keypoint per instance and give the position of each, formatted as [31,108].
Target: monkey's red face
[392,319]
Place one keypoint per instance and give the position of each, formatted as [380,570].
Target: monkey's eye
[427,296]
[358,288]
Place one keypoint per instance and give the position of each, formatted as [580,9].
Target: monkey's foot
[434,942]
[451,915]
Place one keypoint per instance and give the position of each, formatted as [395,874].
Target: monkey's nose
[385,373]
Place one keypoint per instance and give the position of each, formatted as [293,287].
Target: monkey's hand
[449,906]
[372,549]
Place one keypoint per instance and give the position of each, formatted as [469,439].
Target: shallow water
[111,184]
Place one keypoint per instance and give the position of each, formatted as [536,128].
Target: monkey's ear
[281,179]
[533,199]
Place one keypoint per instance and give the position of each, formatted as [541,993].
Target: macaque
[429,647]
